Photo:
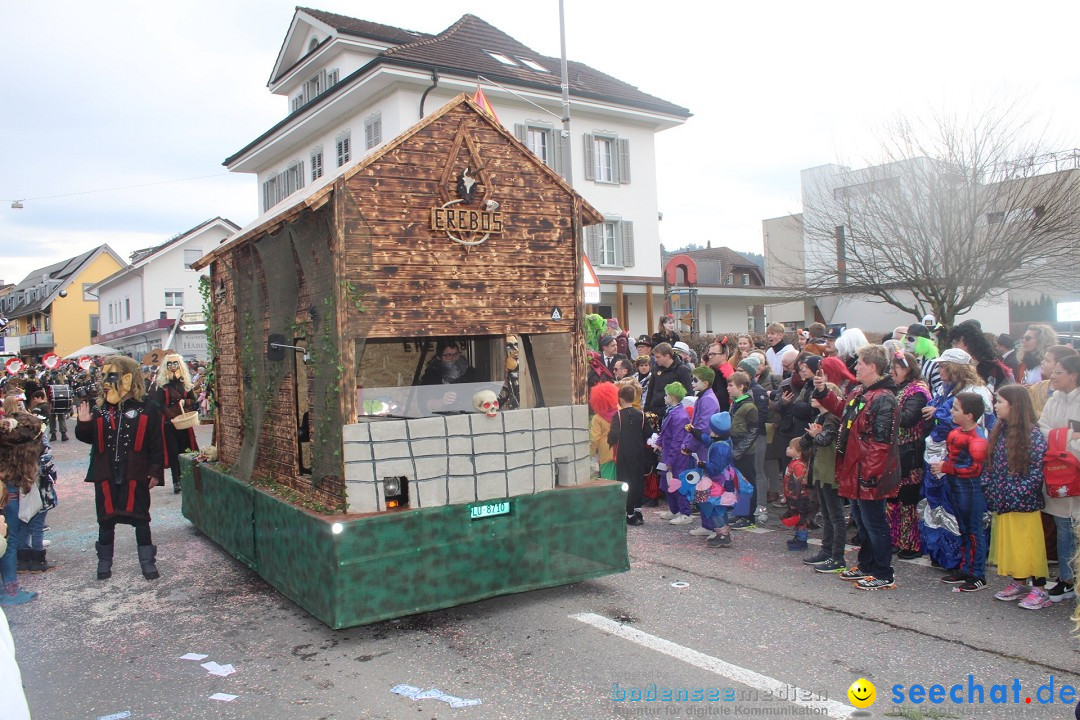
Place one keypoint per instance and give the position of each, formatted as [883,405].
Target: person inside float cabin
[449,366]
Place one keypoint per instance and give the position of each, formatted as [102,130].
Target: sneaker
[701,532]
[1061,591]
[635,519]
[954,578]
[665,514]
[780,502]
[972,585]
[831,565]
[852,574]
[1013,591]
[908,554]
[680,520]
[873,583]
[1036,599]
[21,597]
[796,544]
[742,524]
[719,541]
[817,559]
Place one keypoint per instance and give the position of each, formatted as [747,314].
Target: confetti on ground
[220,670]
[416,693]
[116,716]
[223,697]
[680,584]
[193,656]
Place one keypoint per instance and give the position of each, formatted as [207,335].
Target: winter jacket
[627,438]
[672,437]
[821,470]
[1060,409]
[912,398]
[744,426]
[1007,492]
[662,377]
[697,440]
[867,460]
[598,434]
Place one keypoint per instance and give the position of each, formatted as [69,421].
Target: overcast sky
[113,94]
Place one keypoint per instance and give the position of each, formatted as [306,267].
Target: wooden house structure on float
[326,317]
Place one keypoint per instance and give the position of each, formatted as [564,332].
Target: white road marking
[749,678]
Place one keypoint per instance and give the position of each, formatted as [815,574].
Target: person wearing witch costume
[173,395]
[126,459]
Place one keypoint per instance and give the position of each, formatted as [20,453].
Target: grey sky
[112,94]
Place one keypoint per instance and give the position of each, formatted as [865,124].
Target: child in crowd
[967,449]
[744,440]
[723,492]
[673,462]
[627,438]
[820,440]
[1013,484]
[796,494]
[604,401]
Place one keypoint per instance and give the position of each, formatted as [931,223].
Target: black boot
[52,437]
[23,555]
[104,561]
[147,555]
[63,437]
[176,488]
[38,563]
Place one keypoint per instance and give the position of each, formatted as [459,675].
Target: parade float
[353,488]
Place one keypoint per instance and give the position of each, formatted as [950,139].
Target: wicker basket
[185,421]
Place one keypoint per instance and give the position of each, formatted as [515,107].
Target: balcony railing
[35,341]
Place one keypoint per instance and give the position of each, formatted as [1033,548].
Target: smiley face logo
[862,693]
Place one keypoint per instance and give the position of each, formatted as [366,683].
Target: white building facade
[353,85]
[140,306]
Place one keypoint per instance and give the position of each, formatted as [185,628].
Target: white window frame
[196,252]
[609,244]
[174,298]
[534,133]
[607,158]
[531,64]
[343,146]
[280,186]
[373,130]
[504,59]
[604,173]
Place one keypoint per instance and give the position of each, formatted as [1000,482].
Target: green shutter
[558,148]
[589,157]
[627,231]
[592,243]
[624,161]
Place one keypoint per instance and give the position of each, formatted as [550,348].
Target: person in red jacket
[963,469]
[867,461]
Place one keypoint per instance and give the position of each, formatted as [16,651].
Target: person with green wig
[917,342]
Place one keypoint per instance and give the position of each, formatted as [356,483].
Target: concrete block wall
[459,459]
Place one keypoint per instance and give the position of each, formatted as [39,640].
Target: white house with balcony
[351,85]
[140,305]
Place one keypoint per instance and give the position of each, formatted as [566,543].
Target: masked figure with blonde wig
[173,394]
[126,460]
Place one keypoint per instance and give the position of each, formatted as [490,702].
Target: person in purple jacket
[673,462]
[697,441]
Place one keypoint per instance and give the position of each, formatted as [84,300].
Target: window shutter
[624,161]
[558,149]
[627,229]
[522,134]
[589,157]
[592,243]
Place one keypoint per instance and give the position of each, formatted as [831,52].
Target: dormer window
[501,58]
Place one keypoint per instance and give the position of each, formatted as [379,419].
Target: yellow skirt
[1017,545]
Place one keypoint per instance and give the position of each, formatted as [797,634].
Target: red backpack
[1061,469]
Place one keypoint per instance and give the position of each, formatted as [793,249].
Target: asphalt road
[752,623]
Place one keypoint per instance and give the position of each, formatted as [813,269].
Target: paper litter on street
[116,716]
[193,656]
[224,697]
[416,693]
[221,670]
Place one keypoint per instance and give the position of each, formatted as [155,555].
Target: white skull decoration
[487,402]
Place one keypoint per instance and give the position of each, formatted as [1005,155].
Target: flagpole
[568,168]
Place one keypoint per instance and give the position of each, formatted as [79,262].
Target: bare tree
[948,217]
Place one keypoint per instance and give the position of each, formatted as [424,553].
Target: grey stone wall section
[460,459]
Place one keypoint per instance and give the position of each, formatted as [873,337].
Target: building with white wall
[351,85]
[140,305]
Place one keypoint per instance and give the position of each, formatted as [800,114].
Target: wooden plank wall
[421,283]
